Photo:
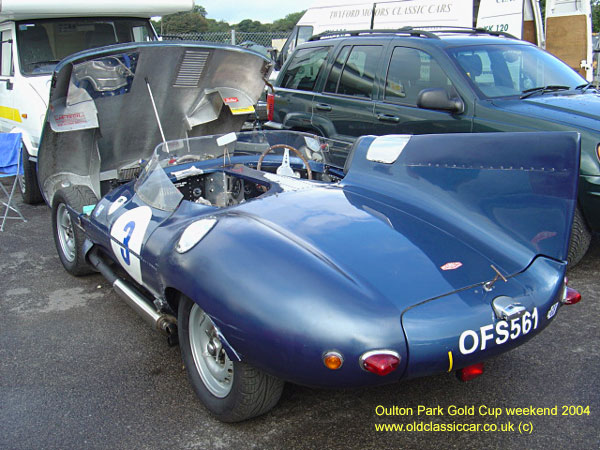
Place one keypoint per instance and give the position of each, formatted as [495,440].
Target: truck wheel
[581,237]
[28,184]
[232,391]
[67,236]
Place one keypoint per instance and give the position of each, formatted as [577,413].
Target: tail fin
[511,196]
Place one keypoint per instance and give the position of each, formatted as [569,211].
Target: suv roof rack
[404,30]
[468,30]
[426,31]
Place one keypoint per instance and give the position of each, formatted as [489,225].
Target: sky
[265,11]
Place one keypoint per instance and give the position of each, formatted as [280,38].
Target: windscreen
[509,70]
[43,43]
[155,187]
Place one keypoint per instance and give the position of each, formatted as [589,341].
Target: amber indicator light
[333,360]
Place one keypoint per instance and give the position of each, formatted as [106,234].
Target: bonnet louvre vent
[190,70]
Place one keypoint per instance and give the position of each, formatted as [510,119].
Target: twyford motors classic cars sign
[391,15]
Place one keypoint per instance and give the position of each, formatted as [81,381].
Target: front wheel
[233,391]
[68,238]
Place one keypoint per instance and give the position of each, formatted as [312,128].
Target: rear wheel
[68,238]
[233,391]
[581,237]
[28,184]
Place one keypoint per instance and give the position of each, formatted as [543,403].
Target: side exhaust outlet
[165,323]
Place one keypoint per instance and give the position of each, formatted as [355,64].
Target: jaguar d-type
[281,256]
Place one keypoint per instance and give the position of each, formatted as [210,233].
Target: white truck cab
[37,34]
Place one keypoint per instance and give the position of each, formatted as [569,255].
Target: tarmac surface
[79,369]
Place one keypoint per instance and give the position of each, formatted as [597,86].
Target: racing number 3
[125,249]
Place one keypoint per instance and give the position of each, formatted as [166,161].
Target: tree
[193,21]
[214,26]
[250,26]
[596,16]
[288,22]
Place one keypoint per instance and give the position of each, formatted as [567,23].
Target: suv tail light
[270,106]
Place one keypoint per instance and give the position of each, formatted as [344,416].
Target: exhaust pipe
[165,323]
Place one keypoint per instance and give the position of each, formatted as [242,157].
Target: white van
[520,18]
[37,34]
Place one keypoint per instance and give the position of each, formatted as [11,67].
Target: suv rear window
[353,72]
[304,68]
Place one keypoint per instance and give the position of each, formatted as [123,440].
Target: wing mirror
[437,98]
[278,61]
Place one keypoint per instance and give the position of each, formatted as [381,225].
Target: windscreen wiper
[584,87]
[543,89]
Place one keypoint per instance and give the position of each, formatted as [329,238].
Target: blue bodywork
[357,265]
[400,243]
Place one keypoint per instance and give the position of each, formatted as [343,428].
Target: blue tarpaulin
[10,146]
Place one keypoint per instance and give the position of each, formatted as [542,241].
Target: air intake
[190,69]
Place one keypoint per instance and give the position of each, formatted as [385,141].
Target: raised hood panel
[101,118]
[511,196]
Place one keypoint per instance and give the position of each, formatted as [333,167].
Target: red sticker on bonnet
[230,100]
[451,266]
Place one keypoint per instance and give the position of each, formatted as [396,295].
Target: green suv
[412,81]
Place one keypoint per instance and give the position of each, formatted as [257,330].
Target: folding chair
[10,166]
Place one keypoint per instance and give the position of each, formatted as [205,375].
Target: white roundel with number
[127,235]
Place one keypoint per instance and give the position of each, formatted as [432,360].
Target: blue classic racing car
[283,256]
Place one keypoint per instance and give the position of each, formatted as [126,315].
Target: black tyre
[67,236]
[28,184]
[230,390]
[581,237]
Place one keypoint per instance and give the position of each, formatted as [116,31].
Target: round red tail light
[571,296]
[380,362]
[470,372]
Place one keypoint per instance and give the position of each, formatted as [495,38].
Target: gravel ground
[79,370]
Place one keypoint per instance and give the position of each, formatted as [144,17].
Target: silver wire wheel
[66,235]
[231,390]
[211,361]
